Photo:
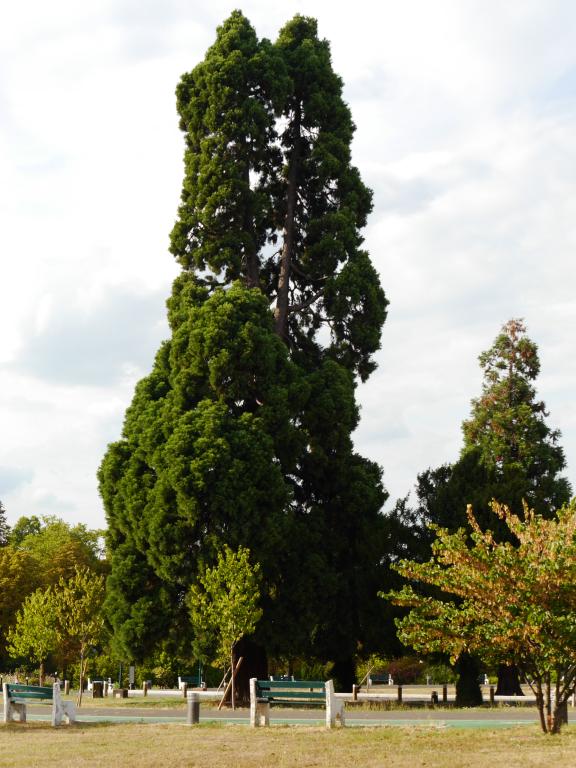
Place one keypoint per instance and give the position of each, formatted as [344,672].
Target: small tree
[224,603]
[514,601]
[79,619]
[34,635]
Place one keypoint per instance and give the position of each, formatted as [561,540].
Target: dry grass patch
[237,746]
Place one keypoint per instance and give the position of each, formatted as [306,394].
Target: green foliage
[65,620]
[223,604]
[227,113]
[4,527]
[507,430]
[18,578]
[56,547]
[405,670]
[34,635]
[200,462]
[241,434]
[23,527]
[322,279]
[40,552]
[80,622]
[439,673]
[509,451]
[510,602]
[163,667]
[267,161]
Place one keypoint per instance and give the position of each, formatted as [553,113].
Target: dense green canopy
[270,196]
[241,434]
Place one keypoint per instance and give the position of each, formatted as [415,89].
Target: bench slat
[17,691]
[280,685]
[24,687]
[291,695]
[291,692]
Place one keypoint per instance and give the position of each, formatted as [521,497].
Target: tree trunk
[344,674]
[559,715]
[41,674]
[540,705]
[232,679]
[289,234]
[255,664]
[81,685]
[468,693]
[508,681]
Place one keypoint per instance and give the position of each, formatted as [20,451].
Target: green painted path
[366,721]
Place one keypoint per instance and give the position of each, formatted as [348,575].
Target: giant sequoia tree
[510,453]
[241,435]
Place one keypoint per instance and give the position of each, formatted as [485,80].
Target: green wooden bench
[293,693]
[191,681]
[380,678]
[17,696]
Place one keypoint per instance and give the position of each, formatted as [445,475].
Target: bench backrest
[291,690]
[30,692]
[190,679]
[379,678]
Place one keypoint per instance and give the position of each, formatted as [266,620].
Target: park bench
[191,681]
[293,693]
[17,696]
[380,679]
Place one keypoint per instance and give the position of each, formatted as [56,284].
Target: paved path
[434,718]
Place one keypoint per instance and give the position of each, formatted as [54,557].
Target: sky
[466,132]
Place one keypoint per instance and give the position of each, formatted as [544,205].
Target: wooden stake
[232,676]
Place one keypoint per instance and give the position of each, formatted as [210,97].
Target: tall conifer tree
[510,453]
[241,435]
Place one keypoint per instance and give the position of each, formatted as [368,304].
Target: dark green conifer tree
[241,435]
[510,453]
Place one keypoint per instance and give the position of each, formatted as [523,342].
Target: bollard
[492,695]
[66,687]
[193,710]
[444,694]
[145,687]
[354,692]
[399,694]
[185,689]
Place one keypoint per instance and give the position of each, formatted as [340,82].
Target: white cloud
[465,114]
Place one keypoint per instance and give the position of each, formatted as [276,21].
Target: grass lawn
[238,746]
